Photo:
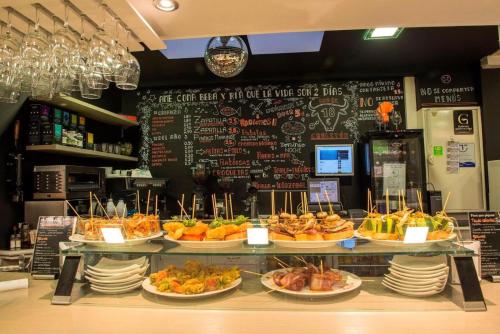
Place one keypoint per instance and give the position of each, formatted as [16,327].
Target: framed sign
[485,228]
[463,123]
[51,230]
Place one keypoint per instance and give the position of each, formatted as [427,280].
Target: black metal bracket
[473,299]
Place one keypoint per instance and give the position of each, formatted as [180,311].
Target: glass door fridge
[396,162]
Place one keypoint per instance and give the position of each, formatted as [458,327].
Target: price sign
[112,235]
[258,236]
[51,230]
[416,235]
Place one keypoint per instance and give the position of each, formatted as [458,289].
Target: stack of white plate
[417,276]
[111,276]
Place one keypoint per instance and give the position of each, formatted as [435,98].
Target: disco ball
[226,56]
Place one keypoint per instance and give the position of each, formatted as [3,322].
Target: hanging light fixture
[226,56]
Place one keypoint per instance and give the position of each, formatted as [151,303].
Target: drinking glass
[131,74]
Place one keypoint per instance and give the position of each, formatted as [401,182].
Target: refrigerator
[395,163]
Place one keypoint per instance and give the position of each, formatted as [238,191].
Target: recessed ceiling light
[166,5]
[382,33]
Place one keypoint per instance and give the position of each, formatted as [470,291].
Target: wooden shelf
[90,111]
[78,152]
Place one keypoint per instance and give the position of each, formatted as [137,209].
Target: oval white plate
[417,263]
[116,291]
[146,285]
[418,276]
[417,282]
[352,283]
[413,293]
[416,279]
[119,286]
[107,265]
[400,243]
[129,242]
[307,244]
[415,287]
[418,273]
[207,244]
[113,276]
[111,281]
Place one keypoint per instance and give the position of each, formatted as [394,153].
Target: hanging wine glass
[131,71]
[9,87]
[32,55]
[99,52]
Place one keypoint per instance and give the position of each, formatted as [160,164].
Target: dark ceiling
[343,54]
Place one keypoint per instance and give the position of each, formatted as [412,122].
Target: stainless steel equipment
[67,182]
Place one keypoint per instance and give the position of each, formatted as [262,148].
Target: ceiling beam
[135,21]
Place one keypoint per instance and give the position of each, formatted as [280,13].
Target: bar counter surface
[29,311]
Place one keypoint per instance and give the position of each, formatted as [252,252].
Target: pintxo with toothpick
[222,231]
[307,230]
[136,229]
[390,228]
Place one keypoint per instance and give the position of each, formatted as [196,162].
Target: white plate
[440,274]
[207,244]
[417,282]
[415,287]
[418,273]
[307,244]
[400,243]
[111,281]
[416,279]
[130,242]
[114,276]
[352,283]
[413,293]
[119,286]
[106,265]
[116,291]
[417,263]
[146,285]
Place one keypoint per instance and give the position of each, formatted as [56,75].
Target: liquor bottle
[12,241]
[25,236]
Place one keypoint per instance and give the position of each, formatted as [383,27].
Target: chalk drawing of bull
[328,114]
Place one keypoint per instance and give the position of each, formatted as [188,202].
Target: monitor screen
[334,160]
[318,188]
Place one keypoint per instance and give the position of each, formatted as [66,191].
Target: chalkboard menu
[265,130]
[446,89]
[51,230]
[485,227]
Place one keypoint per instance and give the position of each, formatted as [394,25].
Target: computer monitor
[317,187]
[334,160]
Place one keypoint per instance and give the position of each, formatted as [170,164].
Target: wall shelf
[79,152]
[90,111]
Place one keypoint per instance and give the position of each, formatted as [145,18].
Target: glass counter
[358,248]
[254,261]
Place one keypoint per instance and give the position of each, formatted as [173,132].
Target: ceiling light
[382,33]
[166,5]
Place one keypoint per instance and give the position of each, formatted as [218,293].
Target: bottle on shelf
[25,236]
[110,207]
[121,208]
[13,240]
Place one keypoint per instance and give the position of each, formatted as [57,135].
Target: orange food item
[338,235]
[280,236]
[192,237]
[236,236]
[309,237]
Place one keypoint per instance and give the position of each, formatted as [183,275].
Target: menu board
[268,131]
[446,89]
[51,230]
[485,227]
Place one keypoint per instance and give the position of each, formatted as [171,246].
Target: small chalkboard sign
[51,230]
[485,227]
